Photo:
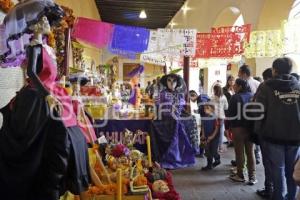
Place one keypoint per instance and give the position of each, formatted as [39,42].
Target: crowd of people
[259,117]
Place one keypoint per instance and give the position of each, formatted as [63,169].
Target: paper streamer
[130,39]
[93,32]
[150,56]
[222,42]
[264,44]
[177,41]
[291,36]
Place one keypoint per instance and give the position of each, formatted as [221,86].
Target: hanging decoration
[222,42]
[176,41]
[132,40]
[193,63]
[78,61]
[291,36]
[102,31]
[204,43]
[57,39]
[264,44]
[6,5]
[150,56]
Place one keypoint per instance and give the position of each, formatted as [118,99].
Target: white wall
[214,70]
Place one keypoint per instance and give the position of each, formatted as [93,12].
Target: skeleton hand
[54,103]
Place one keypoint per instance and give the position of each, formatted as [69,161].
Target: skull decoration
[160,186]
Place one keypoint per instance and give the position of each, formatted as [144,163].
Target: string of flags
[157,46]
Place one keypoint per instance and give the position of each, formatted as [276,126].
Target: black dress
[40,158]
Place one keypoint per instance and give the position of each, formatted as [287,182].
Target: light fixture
[143,14]
[235,10]
[172,24]
[185,8]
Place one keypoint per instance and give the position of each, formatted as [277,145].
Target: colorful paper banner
[149,56]
[100,35]
[130,39]
[177,41]
[222,42]
[291,36]
[264,44]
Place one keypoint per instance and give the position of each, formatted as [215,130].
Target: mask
[171,83]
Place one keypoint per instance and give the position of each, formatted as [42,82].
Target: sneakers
[237,178]
[233,163]
[207,168]
[252,181]
[233,171]
[216,163]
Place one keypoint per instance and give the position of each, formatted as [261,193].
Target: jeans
[256,152]
[222,131]
[211,151]
[242,145]
[267,166]
[283,159]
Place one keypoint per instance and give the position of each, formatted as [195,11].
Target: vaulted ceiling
[126,12]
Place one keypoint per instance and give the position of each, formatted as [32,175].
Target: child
[210,137]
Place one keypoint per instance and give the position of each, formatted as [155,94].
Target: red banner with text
[222,42]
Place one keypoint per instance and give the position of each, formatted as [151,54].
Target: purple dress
[172,145]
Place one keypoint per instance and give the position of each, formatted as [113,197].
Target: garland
[6,5]
[57,38]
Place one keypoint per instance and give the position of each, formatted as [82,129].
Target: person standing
[267,191]
[147,90]
[280,98]
[221,104]
[228,91]
[200,100]
[241,133]
[245,74]
[152,88]
[210,134]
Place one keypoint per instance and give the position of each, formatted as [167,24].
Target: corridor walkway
[194,184]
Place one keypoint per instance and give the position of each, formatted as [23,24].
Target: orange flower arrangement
[140,181]
[6,5]
[51,40]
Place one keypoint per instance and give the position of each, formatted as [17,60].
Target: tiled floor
[194,184]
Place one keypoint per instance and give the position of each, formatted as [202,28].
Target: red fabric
[171,195]
[91,31]
[48,76]
[90,91]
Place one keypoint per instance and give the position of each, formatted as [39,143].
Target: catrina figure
[174,131]
[135,96]
[42,150]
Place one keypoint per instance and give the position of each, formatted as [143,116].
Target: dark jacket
[235,110]
[281,100]
[227,93]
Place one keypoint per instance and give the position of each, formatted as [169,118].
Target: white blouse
[221,105]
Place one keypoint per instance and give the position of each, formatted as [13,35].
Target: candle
[119,184]
[149,150]
[63,81]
